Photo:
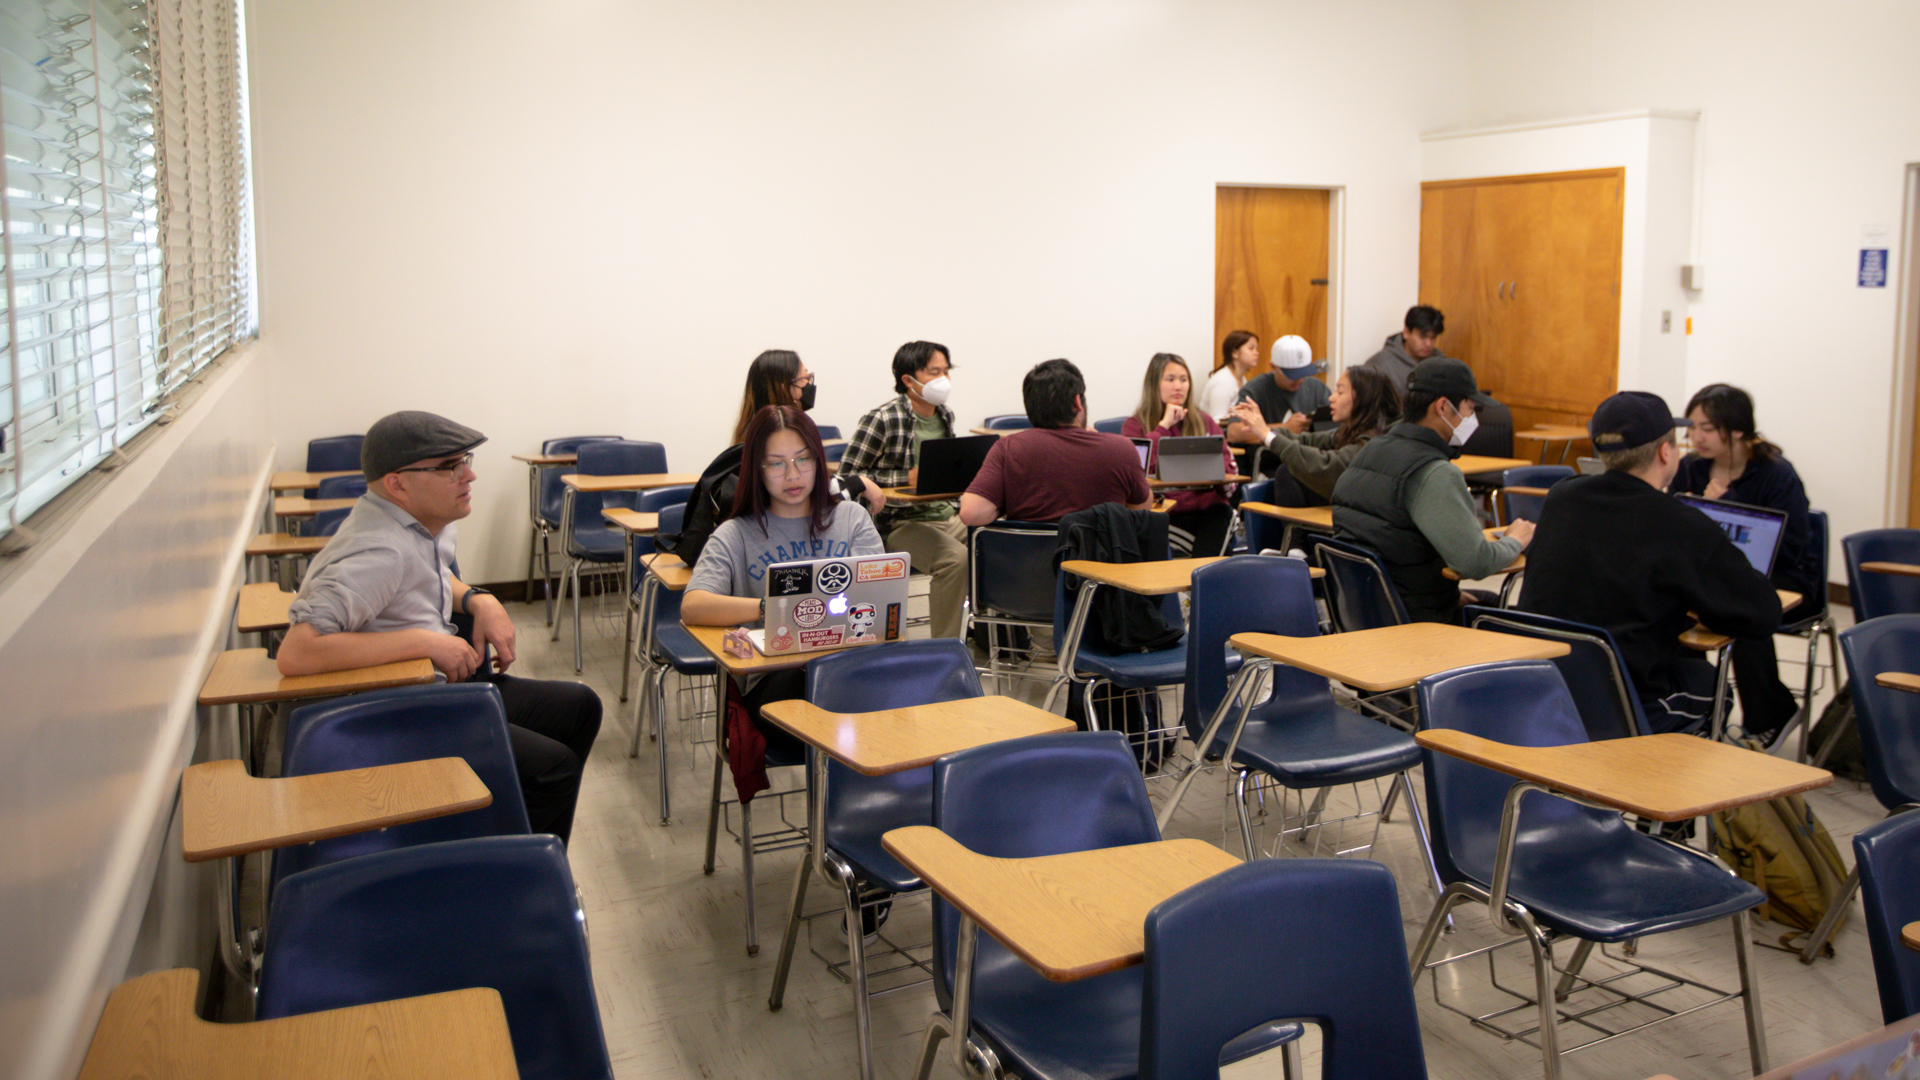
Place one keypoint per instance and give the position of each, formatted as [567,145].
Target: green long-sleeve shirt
[1312,457]
[1444,512]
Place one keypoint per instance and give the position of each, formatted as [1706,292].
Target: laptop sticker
[882,569]
[808,613]
[789,580]
[835,577]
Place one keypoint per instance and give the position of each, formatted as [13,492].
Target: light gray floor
[680,997]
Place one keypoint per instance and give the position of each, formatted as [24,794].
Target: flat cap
[400,439]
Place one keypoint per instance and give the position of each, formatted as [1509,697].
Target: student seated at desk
[1239,351]
[1731,461]
[383,590]
[778,377]
[783,511]
[1616,551]
[1287,396]
[1364,403]
[1200,519]
[1059,465]
[1402,497]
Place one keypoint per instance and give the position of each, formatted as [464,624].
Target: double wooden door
[1527,271]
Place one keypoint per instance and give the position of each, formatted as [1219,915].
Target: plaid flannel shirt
[882,447]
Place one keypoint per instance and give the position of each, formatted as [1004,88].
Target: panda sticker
[860,622]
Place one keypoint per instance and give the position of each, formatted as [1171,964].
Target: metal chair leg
[777,997]
[719,768]
[939,1027]
[1240,806]
[660,740]
[546,572]
[857,968]
[1549,1012]
[746,872]
[1442,911]
[1750,996]
[578,664]
[1831,920]
[1574,966]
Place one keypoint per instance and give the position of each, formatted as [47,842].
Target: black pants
[783,747]
[1765,702]
[1689,709]
[1207,527]
[552,725]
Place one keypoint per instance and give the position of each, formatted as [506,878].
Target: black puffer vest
[1370,507]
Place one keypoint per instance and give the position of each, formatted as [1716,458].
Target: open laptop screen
[1144,447]
[1754,530]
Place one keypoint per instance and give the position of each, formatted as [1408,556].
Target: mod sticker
[808,613]
[817,639]
[860,620]
[883,570]
[789,580]
[835,577]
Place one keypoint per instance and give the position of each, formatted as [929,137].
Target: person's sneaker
[873,916]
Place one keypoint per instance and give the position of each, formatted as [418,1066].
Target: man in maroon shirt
[1059,465]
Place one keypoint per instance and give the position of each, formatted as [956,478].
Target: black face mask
[806,397]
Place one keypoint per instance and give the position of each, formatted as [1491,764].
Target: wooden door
[1531,267]
[1270,251]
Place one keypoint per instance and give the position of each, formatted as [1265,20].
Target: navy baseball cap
[1632,418]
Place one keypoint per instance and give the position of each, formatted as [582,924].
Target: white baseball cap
[1293,357]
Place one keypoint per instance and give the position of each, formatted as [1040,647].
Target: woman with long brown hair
[1200,519]
[1364,404]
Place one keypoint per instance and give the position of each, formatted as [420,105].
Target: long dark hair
[1232,344]
[1375,404]
[1731,410]
[750,494]
[1151,408]
[769,382]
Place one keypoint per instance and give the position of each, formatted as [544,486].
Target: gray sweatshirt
[735,560]
[1393,361]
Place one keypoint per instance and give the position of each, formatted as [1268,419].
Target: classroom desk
[879,744]
[1507,572]
[249,677]
[710,638]
[1194,485]
[574,484]
[299,506]
[996,432]
[663,571]
[301,481]
[536,462]
[1068,916]
[262,608]
[1155,578]
[906,495]
[1900,568]
[626,482]
[1910,936]
[149,1032]
[1474,464]
[1670,777]
[632,524]
[1553,433]
[1899,680]
[1316,518]
[279,545]
[225,812]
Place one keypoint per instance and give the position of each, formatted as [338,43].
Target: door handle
[1503,290]
[1513,290]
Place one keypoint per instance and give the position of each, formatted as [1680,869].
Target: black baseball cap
[400,439]
[1443,376]
[1632,418]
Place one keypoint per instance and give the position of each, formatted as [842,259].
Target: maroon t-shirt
[1044,474]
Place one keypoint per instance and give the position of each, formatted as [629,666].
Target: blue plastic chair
[1299,736]
[332,454]
[413,723]
[1010,584]
[1008,422]
[342,487]
[1360,592]
[665,646]
[1509,504]
[584,534]
[1887,854]
[656,501]
[857,810]
[1112,426]
[545,493]
[1047,795]
[1263,533]
[495,911]
[1312,939]
[1577,871]
[1594,671]
[1876,594]
[1889,723]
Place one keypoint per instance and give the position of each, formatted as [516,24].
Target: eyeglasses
[809,379]
[450,466]
[799,463]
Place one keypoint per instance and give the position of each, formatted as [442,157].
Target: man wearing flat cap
[1616,551]
[383,590]
[1403,498]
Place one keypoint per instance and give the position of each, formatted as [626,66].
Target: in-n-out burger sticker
[814,639]
[882,570]
[809,612]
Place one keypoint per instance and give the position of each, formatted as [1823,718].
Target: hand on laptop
[1522,530]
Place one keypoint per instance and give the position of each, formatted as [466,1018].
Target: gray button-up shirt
[381,572]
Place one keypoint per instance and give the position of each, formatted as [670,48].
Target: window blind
[126,224]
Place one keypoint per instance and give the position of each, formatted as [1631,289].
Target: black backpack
[710,504]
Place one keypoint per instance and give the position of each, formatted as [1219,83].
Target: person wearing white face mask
[1403,498]
[885,449]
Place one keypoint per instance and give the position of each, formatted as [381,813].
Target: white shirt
[1221,390]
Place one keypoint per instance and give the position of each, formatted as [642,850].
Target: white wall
[547,219]
[103,642]
[1810,115]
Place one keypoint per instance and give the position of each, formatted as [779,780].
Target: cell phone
[1323,413]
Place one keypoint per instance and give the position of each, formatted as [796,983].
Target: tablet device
[948,466]
[1191,460]
[1755,530]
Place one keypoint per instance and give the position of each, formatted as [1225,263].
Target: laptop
[826,603]
[948,466]
[1590,466]
[1755,530]
[1144,447]
[1191,460]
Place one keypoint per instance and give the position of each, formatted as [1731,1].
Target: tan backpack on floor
[1782,848]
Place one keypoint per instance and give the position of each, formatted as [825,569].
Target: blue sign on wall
[1873,268]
